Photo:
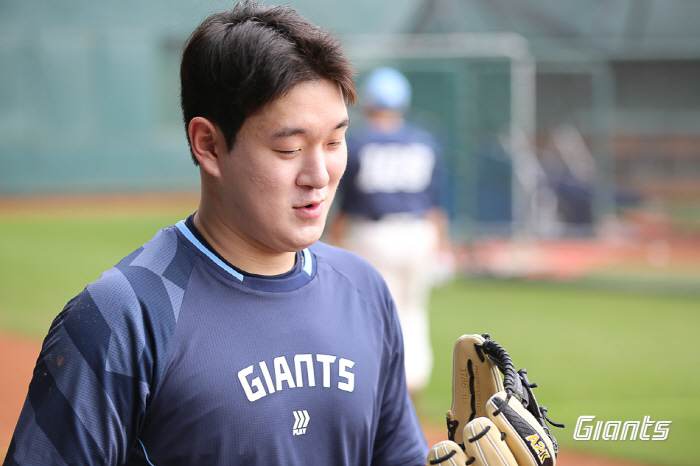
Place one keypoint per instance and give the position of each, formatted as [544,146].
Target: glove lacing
[501,358]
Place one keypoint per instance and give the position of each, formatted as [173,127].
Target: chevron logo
[301,420]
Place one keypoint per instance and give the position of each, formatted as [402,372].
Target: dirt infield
[111,204]
[18,357]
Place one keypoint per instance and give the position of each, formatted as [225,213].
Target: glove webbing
[500,357]
[514,383]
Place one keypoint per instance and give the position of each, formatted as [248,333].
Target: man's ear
[208,144]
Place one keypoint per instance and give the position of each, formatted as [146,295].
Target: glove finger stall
[447,453]
[485,444]
[528,441]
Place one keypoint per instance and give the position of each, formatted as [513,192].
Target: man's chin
[303,241]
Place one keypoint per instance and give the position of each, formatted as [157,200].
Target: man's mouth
[311,210]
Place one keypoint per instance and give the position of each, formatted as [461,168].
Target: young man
[391,206]
[234,337]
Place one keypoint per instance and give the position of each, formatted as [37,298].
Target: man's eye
[288,152]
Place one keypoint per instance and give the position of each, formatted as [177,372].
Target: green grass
[597,347]
[45,262]
[616,355]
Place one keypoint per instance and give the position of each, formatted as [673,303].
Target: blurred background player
[390,211]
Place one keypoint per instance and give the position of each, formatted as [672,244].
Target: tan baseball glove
[494,420]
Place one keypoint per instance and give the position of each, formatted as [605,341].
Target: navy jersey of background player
[173,356]
[395,172]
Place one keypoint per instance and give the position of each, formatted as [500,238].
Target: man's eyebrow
[287,132]
[290,131]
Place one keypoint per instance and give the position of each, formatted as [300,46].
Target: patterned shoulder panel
[102,360]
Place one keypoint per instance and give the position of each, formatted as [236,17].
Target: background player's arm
[440,219]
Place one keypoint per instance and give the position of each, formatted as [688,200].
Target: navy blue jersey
[388,173]
[174,357]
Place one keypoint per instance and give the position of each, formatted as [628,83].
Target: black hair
[237,61]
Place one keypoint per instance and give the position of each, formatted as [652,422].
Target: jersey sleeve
[400,440]
[92,381]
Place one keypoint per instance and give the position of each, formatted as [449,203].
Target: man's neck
[242,253]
